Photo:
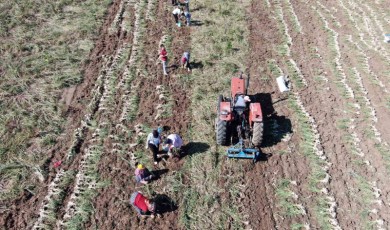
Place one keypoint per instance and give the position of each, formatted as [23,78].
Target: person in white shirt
[153,143]
[176,14]
[173,144]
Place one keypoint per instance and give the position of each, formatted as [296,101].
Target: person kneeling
[142,174]
[173,145]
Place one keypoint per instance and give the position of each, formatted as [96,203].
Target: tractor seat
[240,102]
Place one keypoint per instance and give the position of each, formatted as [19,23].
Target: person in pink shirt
[185,61]
[142,174]
[163,56]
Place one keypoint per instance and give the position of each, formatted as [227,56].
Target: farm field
[81,85]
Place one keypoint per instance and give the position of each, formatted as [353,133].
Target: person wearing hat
[173,143]
[142,174]
[153,143]
[142,205]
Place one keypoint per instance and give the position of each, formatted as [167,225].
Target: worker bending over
[185,61]
[142,205]
[173,144]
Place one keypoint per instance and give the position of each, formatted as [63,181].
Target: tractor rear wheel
[221,132]
[257,134]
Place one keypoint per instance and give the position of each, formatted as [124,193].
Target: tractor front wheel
[257,136]
[221,132]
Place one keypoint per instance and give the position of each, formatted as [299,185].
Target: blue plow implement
[239,151]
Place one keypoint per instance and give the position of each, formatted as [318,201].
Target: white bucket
[387,38]
[282,84]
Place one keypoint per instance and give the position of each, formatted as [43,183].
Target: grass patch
[285,200]
[43,47]
[222,44]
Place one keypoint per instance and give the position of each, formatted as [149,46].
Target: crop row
[283,27]
[297,24]
[101,96]
[357,13]
[131,68]
[150,13]
[326,206]
[47,211]
[326,210]
[164,108]
[339,70]
[352,137]
[79,206]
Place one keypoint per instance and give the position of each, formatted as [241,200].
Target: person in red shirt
[163,56]
[142,205]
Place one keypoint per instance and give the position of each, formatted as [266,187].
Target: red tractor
[239,121]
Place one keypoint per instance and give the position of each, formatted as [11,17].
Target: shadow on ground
[158,173]
[196,23]
[164,204]
[193,148]
[275,127]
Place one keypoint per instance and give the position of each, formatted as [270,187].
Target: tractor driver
[242,101]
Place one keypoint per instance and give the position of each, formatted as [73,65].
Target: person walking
[176,14]
[185,61]
[153,143]
[142,205]
[163,56]
[142,174]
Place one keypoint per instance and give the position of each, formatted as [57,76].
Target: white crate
[387,38]
[283,84]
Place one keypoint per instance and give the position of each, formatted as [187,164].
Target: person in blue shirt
[153,143]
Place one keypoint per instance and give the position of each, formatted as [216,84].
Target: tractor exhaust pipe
[247,84]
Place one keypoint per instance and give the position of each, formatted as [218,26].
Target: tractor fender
[225,112]
[255,113]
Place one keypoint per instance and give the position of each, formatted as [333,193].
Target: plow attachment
[239,151]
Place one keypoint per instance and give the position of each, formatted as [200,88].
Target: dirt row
[113,200]
[23,213]
[326,101]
